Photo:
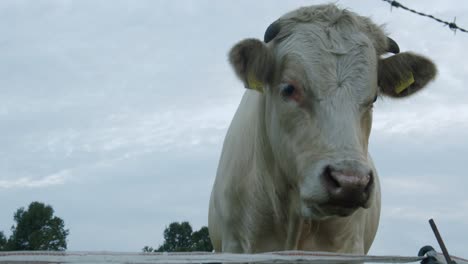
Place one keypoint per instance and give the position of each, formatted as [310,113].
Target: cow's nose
[347,188]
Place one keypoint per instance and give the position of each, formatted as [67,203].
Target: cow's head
[320,71]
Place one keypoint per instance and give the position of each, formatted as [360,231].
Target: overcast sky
[114,113]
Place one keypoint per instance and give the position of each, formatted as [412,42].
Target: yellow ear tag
[405,84]
[253,83]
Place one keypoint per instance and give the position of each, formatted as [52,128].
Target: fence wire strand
[452,25]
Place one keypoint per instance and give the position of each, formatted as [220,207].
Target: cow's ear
[253,63]
[404,74]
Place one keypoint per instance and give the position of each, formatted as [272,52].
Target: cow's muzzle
[348,187]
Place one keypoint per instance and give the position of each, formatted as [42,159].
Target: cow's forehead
[312,40]
[330,19]
[324,60]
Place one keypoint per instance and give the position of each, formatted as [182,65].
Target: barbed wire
[452,25]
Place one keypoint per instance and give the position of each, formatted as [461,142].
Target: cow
[294,172]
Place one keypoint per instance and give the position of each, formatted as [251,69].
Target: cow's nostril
[370,183]
[330,181]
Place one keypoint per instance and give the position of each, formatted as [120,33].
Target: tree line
[179,237]
[36,228]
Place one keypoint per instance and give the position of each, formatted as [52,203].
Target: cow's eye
[370,104]
[288,91]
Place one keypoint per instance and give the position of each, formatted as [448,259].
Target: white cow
[295,173]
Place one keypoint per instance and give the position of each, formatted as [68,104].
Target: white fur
[267,195]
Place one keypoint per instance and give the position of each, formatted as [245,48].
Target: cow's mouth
[324,211]
[340,210]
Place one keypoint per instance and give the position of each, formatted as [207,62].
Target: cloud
[58,178]
[128,132]
[410,185]
[432,120]
[422,214]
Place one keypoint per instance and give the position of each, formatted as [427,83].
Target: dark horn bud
[271,31]
[392,46]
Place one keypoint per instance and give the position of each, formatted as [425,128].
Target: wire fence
[282,257]
[452,25]
[40,257]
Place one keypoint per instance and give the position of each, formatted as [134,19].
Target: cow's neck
[283,195]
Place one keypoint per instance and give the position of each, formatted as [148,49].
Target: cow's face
[320,81]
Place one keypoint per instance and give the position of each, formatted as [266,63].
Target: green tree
[179,237]
[37,229]
[148,249]
[3,241]
[201,240]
